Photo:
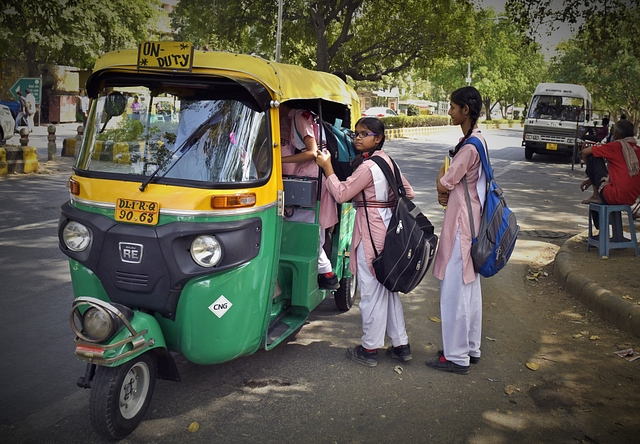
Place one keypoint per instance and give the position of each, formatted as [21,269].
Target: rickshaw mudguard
[221,317]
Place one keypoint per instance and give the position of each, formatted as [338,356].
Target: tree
[366,39]
[71,32]
[604,55]
[506,66]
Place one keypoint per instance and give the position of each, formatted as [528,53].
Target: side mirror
[115,104]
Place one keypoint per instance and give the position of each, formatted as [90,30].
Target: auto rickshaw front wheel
[120,396]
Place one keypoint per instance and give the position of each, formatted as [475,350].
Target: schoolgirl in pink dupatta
[460,292]
[381,309]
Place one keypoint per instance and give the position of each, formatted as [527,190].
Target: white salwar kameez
[381,309]
[461,311]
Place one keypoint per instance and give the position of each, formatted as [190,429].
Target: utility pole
[469,73]
[279,31]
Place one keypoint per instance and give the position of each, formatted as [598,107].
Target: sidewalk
[39,139]
[608,286]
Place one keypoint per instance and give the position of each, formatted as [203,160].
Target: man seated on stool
[601,134]
[619,184]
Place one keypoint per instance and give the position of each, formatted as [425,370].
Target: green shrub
[127,130]
[516,114]
[415,121]
[413,110]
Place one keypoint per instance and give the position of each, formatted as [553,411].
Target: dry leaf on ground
[510,389]
[532,366]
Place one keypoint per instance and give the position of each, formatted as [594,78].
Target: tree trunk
[31,60]
[487,107]
[322,49]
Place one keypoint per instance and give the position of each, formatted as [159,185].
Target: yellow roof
[285,82]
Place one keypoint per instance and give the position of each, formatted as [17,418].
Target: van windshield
[132,132]
[557,108]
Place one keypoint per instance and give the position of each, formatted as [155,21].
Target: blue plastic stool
[611,215]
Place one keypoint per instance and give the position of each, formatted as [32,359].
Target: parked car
[379,111]
[7,124]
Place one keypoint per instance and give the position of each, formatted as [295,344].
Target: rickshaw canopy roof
[285,82]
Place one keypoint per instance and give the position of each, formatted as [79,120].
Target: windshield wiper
[183,148]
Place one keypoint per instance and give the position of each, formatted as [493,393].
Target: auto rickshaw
[175,228]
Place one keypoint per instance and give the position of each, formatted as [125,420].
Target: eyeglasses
[362,134]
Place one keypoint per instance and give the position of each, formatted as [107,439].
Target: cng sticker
[220,306]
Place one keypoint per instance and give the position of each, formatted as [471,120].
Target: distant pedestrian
[135,108]
[84,106]
[31,108]
[22,112]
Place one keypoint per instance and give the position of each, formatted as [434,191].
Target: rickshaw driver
[299,146]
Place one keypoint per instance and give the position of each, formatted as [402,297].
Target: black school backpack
[410,242]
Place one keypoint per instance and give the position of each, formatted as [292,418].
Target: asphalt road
[305,390]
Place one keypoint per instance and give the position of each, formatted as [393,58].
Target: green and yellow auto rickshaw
[174,228]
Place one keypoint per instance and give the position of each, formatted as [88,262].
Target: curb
[608,305]
[18,160]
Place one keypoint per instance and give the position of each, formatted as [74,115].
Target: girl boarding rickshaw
[175,228]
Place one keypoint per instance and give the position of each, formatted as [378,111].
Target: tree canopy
[505,65]
[71,32]
[604,55]
[366,39]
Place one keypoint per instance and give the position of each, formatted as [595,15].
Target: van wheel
[121,395]
[346,294]
[528,153]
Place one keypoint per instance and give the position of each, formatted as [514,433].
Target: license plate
[137,211]
[552,146]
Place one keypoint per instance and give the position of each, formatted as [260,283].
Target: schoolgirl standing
[460,293]
[381,309]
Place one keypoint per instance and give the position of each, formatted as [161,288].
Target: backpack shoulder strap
[392,178]
[484,156]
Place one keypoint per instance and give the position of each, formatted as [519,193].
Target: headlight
[100,321]
[97,324]
[206,251]
[76,236]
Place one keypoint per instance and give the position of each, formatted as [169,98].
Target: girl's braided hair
[470,97]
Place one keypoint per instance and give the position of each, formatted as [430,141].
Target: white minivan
[557,116]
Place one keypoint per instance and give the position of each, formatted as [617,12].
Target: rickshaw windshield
[174,136]
[548,107]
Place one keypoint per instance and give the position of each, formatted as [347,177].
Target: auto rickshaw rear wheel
[121,395]
[345,296]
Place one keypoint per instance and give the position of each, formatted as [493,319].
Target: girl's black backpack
[410,242]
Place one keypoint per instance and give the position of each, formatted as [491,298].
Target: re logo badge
[220,306]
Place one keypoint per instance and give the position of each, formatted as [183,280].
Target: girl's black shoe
[401,353]
[361,356]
